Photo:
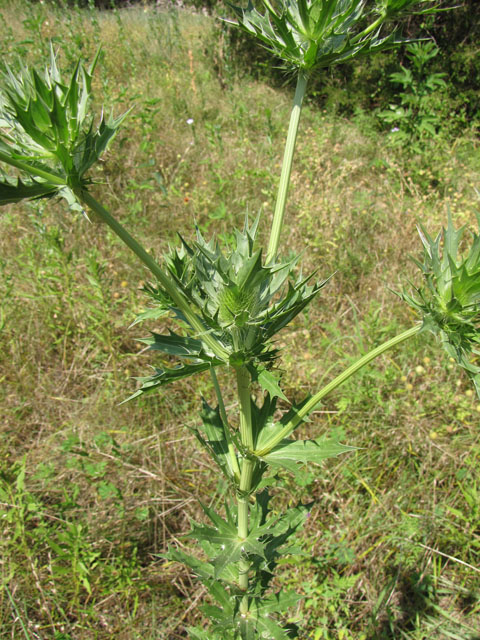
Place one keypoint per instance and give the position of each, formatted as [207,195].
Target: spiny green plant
[228,307]
[449,300]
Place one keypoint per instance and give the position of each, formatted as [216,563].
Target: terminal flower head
[449,299]
[309,34]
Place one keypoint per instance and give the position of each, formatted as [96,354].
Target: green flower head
[242,303]
[309,34]
[449,299]
[47,134]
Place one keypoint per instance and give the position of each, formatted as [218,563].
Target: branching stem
[309,406]
[170,287]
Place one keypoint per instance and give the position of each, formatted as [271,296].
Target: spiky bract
[48,133]
[449,299]
[242,303]
[309,34]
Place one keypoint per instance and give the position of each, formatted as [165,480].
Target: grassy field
[92,492]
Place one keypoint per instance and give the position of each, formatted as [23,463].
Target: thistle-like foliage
[270,539]
[308,34]
[47,132]
[242,303]
[449,300]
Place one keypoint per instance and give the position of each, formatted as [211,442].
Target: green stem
[375,24]
[246,434]
[35,171]
[286,168]
[243,387]
[243,564]
[309,406]
[243,498]
[169,286]
[226,429]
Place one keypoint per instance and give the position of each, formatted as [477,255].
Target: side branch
[169,286]
[309,406]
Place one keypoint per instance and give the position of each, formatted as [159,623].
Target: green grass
[92,492]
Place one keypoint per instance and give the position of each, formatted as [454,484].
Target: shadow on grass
[407,602]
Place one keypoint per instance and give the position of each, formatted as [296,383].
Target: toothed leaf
[10,193]
[267,381]
[289,453]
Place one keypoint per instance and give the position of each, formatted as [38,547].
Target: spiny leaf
[150,314]
[175,345]
[216,442]
[10,193]
[205,570]
[269,628]
[201,569]
[222,596]
[277,531]
[289,453]
[232,548]
[224,534]
[267,381]
[263,421]
[165,376]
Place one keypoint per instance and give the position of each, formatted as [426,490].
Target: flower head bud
[449,299]
[309,34]
[47,132]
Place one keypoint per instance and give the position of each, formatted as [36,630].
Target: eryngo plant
[449,300]
[49,134]
[309,34]
[228,306]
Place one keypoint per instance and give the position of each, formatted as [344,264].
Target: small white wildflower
[190,121]
[394,130]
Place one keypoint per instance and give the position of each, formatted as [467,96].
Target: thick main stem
[286,168]
[309,406]
[243,387]
[246,435]
[169,286]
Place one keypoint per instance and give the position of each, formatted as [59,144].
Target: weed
[416,118]
[367,505]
